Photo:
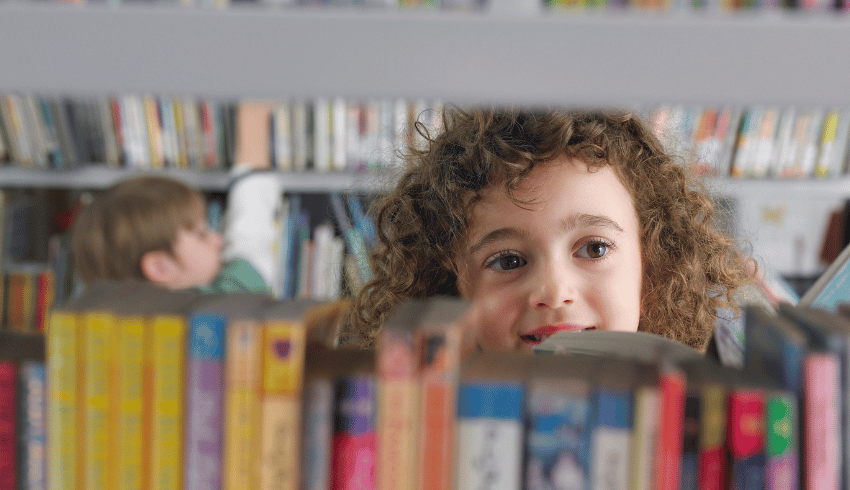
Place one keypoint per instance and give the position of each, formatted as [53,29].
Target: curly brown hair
[690,267]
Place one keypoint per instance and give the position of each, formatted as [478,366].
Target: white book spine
[610,458]
[321,135]
[489,454]
[338,126]
[299,135]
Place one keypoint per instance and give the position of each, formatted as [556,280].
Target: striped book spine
[62,408]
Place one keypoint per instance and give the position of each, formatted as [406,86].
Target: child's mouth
[541,334]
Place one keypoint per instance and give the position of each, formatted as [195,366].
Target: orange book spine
[398,412]
[440,365]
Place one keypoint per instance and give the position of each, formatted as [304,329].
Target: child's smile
[570,259]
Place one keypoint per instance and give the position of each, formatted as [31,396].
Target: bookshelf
[94,177]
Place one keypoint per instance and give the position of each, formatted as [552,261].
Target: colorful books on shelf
[180,389]
[23,399]
[151,132]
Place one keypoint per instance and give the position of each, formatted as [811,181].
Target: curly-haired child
[550,220]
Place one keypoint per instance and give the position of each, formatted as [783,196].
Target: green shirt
[237,275]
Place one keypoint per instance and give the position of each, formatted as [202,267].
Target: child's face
[570,261]
[198,254]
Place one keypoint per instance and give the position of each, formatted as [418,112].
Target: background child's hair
[690,267]
[133,217]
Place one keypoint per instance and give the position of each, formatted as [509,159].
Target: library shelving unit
[94,177]
[594,59]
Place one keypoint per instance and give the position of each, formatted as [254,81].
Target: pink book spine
[822,424]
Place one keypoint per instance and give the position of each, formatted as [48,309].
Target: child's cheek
[497,328]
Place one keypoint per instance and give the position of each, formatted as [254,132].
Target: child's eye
[595,249]
[505,261]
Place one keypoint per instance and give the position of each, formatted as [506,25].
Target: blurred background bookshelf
[614,54]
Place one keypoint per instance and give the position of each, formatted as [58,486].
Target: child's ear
[159,267]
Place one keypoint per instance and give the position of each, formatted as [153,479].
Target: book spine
[62,416]
[821,422]
[398,409]
[283,370]
[33,430]
[129,401]
[242,405]
[781,469]
[712,450]
[168,358]
[556,432]
[318,433]
[645,435]
[204,403]
[746,439]
[154,130]
[439,354]
[97,443]
[670,436]
[46,292]
[8,425]
[690,442]
[490,435]
[354,437]
[610,448]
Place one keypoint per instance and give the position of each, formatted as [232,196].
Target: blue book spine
[610,438]
[33,433]
[555,440]
[290,270]
[362,221]
[490,435]
[205,402]
[690,444]
[318,433]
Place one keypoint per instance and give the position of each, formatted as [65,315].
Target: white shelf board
[602,59]
[93,177]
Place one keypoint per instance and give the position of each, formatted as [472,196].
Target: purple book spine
[204,403]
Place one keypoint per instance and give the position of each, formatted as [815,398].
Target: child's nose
[555,286]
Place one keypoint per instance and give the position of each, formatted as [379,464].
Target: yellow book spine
[168,359]
[98,329]
[130,333]
[830,127]
[180,125]
[62,364]
[283,370]
[242,405]
[154,131]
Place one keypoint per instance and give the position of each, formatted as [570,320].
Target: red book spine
[671,430]
[8,426]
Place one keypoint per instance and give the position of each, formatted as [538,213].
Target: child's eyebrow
[575,221]
[572,222]
[496,235]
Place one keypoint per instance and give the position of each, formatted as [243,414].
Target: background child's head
[150,228]
[688,267]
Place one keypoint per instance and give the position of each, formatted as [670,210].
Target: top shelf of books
[469,57]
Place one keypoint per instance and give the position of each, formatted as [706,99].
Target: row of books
[153,132]
[238,391]
[326,261]
[756,142]
[23,404]
[339,135]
